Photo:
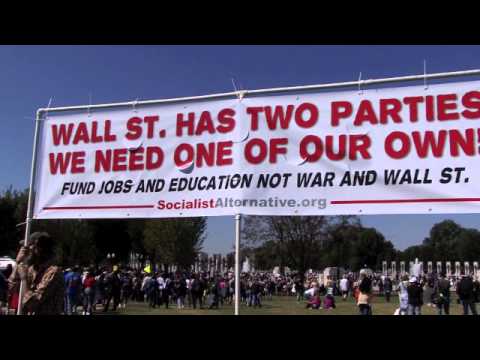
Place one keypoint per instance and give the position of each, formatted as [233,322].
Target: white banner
[383,151]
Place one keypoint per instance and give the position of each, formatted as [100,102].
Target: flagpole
[28,220]
[237,263]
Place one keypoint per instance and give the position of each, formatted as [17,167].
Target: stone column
[448,267]
[439,267]
[458,269]
[394,269]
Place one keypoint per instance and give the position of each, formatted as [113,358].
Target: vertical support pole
[28,220]
[237,263]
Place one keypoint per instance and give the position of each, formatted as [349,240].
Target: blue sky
[30,75]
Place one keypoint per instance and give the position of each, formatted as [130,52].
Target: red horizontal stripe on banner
[396,201]
[98,207]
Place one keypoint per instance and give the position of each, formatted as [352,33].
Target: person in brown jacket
[43,287]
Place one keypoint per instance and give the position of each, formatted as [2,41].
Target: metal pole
[28,220]
[237,263]
[273,90]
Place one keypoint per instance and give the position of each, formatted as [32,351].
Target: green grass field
[283,306]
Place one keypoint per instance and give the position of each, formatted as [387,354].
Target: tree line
[316,242]
[300,242]
[88,242]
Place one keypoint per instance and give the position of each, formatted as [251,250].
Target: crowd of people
[51,290]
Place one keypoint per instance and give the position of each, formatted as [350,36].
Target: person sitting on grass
[329,302]
[315,302]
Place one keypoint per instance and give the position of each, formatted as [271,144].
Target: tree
[75,243]
[230,260]
[174,241]
[442,241]
[468,245]
[298,239]
[339,248]
[111,236]
[13,211]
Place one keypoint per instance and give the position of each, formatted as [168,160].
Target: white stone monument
[402,268]
[394,269]
[246,266]
[458,270]
[429,267]
[439,267]
[384,268]
[416,269]
[448,267]
[466,267]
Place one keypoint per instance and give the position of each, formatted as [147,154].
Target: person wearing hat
[43,286]
[415,297]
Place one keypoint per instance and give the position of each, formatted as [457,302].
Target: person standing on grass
[144,287]
[180,289]
[415,297]
[73,284]
[89,293]
[364,294]
[428,291]
[257,293]
[466,294]
[344,287]
[136,286]
[403,295]
[169,292]
[113,289]
[443,295]
[270,289]
[126,289]
[213,295]
[152,291]
[196,289]
[299,288]
[387,288]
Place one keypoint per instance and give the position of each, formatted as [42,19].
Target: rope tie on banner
[425,74]
[360,91]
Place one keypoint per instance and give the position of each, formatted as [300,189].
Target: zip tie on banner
[425,74]
[48,107]
[134,105]
[360,91]
[240,93]
[89,114]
